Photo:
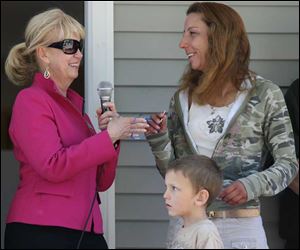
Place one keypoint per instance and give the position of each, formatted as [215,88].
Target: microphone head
[104,90]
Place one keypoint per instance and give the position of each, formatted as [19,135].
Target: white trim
[99,66]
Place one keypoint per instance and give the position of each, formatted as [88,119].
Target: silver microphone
[104,91]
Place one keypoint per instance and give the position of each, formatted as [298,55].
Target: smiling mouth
[74,65]
[190,55]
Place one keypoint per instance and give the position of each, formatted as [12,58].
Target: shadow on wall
[270,216]
[9,182]
[5,118]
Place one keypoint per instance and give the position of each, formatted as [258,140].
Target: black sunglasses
[68,46]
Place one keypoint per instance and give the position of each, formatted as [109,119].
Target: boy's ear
[201,197]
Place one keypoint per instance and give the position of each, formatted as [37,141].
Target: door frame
[99,66]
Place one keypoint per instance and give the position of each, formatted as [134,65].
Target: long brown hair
[228,55]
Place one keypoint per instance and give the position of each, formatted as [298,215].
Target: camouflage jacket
[260,125]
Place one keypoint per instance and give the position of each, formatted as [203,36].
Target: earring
[46,73]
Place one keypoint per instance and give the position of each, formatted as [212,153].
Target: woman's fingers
[98,112]
[151,131]
[139,125]
[234,194]
[108,115]
[105,118]
[157,118]
[158,123]
[154,125]
[111,106]
[136,120]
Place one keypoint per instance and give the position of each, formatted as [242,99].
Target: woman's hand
[106,117]
[158,124]
[234,194]
[123,127]
[294,185]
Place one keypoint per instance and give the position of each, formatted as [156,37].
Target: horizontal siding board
[136,153]
[282,73]
[170,18]
[258,19]
[139,180]
[136,207]
[156,18]
[140,100]
[168,72]
[141,234]
[149,99]
[136,72]
[141,45]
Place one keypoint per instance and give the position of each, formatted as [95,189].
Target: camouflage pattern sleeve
[279,139]
[161,145]
[162,154]
[173,144]
[178,135]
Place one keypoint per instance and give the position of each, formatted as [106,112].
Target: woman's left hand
[106,117]
[234,194]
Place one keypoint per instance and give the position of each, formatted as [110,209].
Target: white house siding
[148,65]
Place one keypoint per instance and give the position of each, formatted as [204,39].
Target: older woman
[63,161]
[226,112]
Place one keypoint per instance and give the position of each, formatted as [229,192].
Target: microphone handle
[103,107]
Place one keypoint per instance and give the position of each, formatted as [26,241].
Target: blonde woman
[63,161]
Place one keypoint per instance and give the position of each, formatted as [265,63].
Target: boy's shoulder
[200,235]
[206,235]
[204,225]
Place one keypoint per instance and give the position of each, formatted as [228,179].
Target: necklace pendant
[213,110]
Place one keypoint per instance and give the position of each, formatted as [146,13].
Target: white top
[214,124]
[206,125]
[200,235]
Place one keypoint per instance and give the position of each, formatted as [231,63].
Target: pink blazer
[62,160]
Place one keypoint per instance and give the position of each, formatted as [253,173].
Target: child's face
[179,195]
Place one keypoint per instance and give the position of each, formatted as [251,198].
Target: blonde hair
[227,57]
[42,30]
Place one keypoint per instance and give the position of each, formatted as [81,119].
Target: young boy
[192,183]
